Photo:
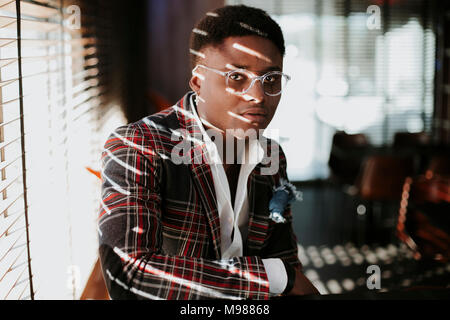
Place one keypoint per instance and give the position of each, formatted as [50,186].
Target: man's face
[220,107]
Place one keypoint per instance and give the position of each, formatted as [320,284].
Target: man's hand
[302,285]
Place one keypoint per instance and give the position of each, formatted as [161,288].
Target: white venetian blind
[54,115]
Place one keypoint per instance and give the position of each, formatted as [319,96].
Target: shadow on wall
[169,26]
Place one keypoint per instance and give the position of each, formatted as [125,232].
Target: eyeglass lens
[240,81]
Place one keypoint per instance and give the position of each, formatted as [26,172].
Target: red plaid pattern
[159,229]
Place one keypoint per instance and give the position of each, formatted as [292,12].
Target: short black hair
[233,21]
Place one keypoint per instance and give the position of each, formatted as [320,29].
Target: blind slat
[15,264]
[6,204]
[6,183]
[17,282]
[18,243]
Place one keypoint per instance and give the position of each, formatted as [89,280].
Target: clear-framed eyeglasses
[240,81]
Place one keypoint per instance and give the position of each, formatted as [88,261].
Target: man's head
[226,39]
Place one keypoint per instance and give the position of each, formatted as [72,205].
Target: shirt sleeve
[276,274]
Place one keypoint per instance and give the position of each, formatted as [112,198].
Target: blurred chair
[379,188]
[423,220]
[347,152]
[439,165]
[415,144]
[345,140]
[381,177]
[409,139]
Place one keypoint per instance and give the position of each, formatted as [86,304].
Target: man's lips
[255,115]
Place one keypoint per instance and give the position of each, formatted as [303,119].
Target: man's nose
[256,92]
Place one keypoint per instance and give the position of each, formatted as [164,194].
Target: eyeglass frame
[254,78]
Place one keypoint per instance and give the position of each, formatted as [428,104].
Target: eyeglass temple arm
[223,73]
[211,69]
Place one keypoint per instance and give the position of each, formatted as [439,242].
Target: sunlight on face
[246,96]
[231,67]
[222,106]
[238,117]
[202,77]
[252,52]
[198,54]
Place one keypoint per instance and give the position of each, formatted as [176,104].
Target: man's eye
[270,79]
[236,77]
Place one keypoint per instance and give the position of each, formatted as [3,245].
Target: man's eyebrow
[271,68]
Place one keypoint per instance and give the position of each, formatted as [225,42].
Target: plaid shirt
[159,229]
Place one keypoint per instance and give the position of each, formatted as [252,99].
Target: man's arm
[283,243]
[133,263]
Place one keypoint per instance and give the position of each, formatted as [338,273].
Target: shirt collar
[255,151]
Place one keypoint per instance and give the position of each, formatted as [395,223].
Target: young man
[186,216]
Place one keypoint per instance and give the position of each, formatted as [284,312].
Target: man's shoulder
[153,131]
[161,123]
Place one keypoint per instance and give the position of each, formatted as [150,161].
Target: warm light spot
[318,262]
[138,230]
[202,77]
[115,186]
[238,117]
[328,255]
[134,145]
[91,62]
[371,258]
[231,90]
[348,284]
[246,96]
[358,258]
[163,156]
[199,54]
[90,51]
[251,52]
[231,67]
[123,163]
[345,261]
[334,286]
[361,209]
[200,32]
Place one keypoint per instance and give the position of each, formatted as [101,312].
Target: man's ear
[195,83]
